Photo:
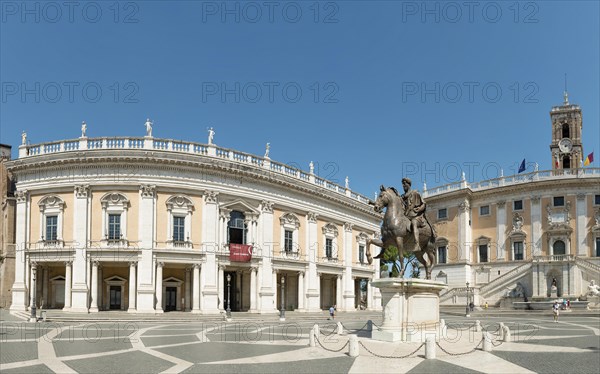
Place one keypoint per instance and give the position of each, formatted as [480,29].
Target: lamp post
[467,310]
[228,297]
[33,317]
[282,311]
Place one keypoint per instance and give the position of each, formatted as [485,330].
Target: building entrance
[171,299]
[115,297]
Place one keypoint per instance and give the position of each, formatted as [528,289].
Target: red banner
[240,252]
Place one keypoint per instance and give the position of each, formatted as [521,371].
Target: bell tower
[566,147]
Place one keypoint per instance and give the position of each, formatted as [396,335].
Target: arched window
[566,132]
[236,228]
[566,162]
[559,248]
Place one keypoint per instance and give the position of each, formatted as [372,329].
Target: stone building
[147,225]
[512,237]
[7,230]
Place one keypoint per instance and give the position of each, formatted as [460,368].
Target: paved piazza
[253,344]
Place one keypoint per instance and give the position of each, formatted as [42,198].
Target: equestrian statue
[405,226]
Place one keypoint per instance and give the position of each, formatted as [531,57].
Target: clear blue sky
[170,60]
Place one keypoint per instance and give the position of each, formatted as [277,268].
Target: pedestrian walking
[332,312]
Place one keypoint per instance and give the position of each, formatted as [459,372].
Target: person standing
[555,311]
[332,312]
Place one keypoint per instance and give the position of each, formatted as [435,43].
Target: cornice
[136,162]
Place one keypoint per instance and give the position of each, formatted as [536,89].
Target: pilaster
[268,287]
[313,283]
[210,216]
[19,290]
[145,281]
[80,290]
[347,280]
[501,229]
[581,213]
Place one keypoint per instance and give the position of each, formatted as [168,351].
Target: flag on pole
[589,159]
[556,163]
[522,166]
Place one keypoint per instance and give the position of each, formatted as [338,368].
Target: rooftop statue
[404,226]
[211,135]
[148,127]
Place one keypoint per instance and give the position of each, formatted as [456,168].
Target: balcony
[290,254]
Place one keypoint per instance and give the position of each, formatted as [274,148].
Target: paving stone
[17,351]
[543,362]
[207,352]
[163,340]
[437,366]
[78,347]
[130,362]
[329,366]
[37,369]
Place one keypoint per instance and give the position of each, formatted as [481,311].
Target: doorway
[115,297]
[171,299]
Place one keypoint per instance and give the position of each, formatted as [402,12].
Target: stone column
[19,290]
[146,286]
[80,293]
[313,283]
[536,226]
[268,285]
[68,265]
[94,295]
[159,278]
[301,291]
[347,280]
[33,286]
[188,289]
[338,290]
[221,287]
[210,218]
[253,289]
[501,229]
[196,289]
[238,288]
[464,230]
[132,284]
[275,306]
[45,302]
[581,212]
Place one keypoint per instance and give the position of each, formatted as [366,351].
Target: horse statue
[395,231]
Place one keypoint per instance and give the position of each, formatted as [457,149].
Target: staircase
[486,290]
[588,266]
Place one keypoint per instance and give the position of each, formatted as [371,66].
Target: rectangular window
[114,226]
[178,229]
[596,199]
[484,210]
[289,240]
[361,254]
[442,213]
[441,255]
[51,227]
[483,253]
[518,251]
[328,248]
[559,201]
[518,205]
[598,246]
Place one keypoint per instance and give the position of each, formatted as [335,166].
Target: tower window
[566,162]
[596,199]
[518,205]
[566,133]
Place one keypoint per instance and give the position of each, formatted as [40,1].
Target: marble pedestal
[411,309]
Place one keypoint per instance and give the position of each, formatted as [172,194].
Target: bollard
[369,325]
[506,334]
[442,324]
[353,346]
[317,331]
[477,326]
[340,328]
[44,315]
[311,338]
[429,348]
[487,342]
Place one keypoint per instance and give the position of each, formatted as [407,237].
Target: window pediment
[114,199]
[290,220]
[330,230]
[180,203]
[239,205]
[51,202]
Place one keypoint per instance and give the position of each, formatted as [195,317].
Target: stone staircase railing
[485,290]
[453,291]
[587,265]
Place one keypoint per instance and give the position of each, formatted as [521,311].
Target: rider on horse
[414,209]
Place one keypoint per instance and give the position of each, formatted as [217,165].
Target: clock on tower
[566,147]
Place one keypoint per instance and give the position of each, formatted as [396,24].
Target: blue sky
[387,88]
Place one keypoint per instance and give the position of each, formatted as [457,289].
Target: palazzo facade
[150,225]
[512,237]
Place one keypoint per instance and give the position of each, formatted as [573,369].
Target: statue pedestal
[411,309]
[553,292]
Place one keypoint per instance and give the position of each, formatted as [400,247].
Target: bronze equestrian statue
[404,226]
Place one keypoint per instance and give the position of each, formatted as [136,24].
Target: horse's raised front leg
[376,242]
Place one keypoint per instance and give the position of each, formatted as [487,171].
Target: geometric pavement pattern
[538,345]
